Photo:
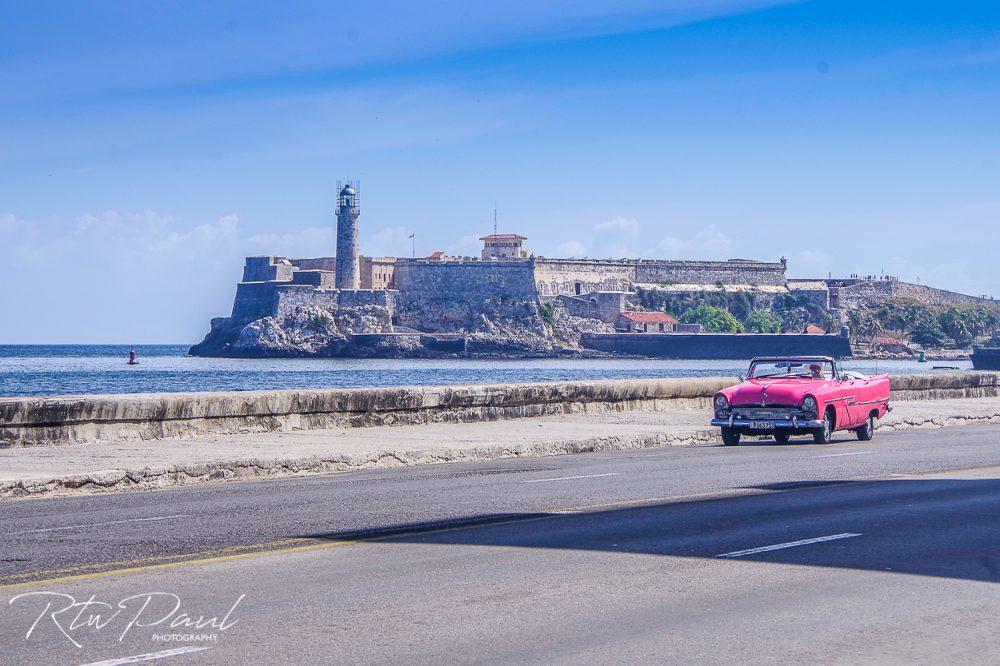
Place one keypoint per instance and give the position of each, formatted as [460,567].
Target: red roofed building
[813,329]
[504,246]
[647,322]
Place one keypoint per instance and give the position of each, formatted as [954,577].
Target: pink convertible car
[800,395]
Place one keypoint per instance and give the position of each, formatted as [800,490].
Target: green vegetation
[966,324]
[927,332]
[713,319]
[321,322]
[739,303]
[763,321]
[797,310]
[761,312]
[752,310]
[547,313]
[927,326]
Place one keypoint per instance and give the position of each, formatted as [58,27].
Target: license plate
[761,425]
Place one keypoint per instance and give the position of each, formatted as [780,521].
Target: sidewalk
[99,467]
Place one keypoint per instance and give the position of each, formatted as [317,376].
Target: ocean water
[74,369]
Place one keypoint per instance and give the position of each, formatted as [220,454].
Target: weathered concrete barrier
[65,419]
[947,385]
[55,420]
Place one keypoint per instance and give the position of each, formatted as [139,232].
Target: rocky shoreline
[930,355]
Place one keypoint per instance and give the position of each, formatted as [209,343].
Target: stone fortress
[505,302]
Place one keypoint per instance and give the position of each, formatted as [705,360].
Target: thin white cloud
[624,237]
[709,243]
[117,277]
[310,242]
[392,242]
[202,45]
[620,225]
[466,246]
[810,264]
[571,249]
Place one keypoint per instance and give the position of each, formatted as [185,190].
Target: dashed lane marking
[110,522]
[148,656]
[570,478]
[305,544]
[789,544]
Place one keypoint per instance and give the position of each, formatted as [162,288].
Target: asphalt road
[855,552]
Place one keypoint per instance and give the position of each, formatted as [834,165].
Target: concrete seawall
[733,346]
[68,419]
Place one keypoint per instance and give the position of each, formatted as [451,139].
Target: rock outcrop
[568,329]
[306,330]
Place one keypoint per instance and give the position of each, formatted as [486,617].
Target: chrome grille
[764,412]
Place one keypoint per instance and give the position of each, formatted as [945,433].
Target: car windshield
[792,369]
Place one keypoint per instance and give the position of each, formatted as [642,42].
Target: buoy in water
[922,358]
[131,358]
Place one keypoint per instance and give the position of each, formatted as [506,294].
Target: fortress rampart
[732,272]
[847,294]
[256,300]
[570,277]
[456,295]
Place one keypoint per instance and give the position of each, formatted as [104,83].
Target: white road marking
[569,478]
[837,455]
[149,656]
[790,544]
[111,522]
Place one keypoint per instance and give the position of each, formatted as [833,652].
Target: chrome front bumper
[779,424]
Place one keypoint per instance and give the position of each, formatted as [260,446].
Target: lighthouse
[348,268]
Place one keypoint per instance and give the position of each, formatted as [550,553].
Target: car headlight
[721,402]
[809,404]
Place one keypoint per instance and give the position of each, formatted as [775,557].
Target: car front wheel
[867,431]
[825,434]
[730,437]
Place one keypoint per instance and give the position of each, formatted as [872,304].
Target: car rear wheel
[782,437]
[867,431]
[730,437]
[825,434]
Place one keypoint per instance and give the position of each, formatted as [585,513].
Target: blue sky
[145,148]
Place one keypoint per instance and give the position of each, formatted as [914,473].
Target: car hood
[774,391]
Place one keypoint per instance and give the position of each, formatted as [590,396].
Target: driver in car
[816,371]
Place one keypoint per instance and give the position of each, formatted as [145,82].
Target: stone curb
[154,478]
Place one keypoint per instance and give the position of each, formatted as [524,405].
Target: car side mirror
[742,376]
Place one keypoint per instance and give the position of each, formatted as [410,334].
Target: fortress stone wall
[257,300]
[573,277]
[457,295]
[847,294]
[732,272]
[317,264]
[265,269]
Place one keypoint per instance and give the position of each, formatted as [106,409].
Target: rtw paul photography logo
[163,612]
